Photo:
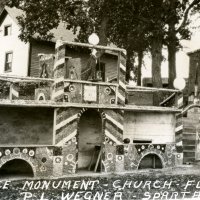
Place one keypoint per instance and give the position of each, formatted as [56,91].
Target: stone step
[191,129]
[187,142]
[189,151]
[189,136]
[189,148]
[188,160]
[189,154]
[190,120]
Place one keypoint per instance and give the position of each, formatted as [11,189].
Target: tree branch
[195,2]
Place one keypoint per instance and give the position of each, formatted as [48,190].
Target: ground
[174,183]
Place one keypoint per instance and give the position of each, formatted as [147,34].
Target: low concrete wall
[19,126]
[61,161]
[158,127]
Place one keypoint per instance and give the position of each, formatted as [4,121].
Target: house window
[7,30]
[8,61]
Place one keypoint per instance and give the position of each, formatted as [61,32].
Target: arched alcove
[150,161]
[16,168]
[89,139]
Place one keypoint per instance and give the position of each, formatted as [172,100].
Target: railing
[73,91]
[77,91]
[25,88]
[152,96]
[90,92]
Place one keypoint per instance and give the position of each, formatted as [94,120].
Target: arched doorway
[16,168]
[150,161]
[89,140]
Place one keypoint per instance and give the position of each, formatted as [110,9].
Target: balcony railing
[146,96]
[73,91]
[90,92]
[83,92]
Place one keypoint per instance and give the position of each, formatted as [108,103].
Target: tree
[129,32]
[83,17]
[80,15]
[135,25]
[177,21]
[2,4]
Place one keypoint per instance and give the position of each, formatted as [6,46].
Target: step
[188,159]
[189,119]
[189,151]
[188,148]
[189,137]
[189,129]
[189,154]
[189,134]
[189,145]
[188,142]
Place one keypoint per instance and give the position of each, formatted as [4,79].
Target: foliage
[135,25]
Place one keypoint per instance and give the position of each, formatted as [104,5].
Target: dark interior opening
[150,161]
[90,140]
[142,141]
[16,168]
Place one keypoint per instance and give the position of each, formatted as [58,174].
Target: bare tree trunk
[103,30]
[172,63]
[156,52]
[139,70]
[171,54]
[129,64]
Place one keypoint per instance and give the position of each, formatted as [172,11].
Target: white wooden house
[20,58]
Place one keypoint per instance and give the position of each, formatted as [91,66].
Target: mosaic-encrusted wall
[66,132]
[57,161]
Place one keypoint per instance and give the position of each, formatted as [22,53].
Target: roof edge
[3,15]
[191,52]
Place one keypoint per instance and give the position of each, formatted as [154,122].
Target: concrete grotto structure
[56,125]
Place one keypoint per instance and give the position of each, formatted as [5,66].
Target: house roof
[14,13]
[192,52]
[59,33]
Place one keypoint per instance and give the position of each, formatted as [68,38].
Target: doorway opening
[17,168]
[150,161]
[89,141]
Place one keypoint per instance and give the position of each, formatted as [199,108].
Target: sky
[182,59]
